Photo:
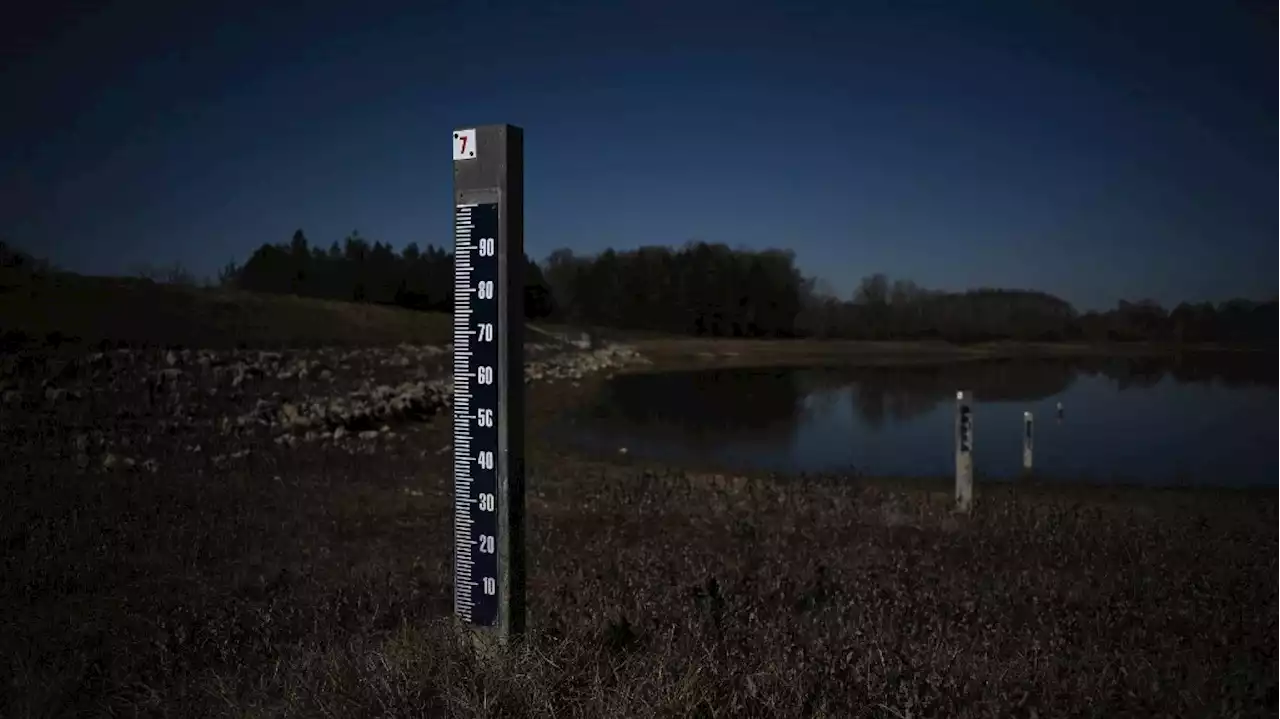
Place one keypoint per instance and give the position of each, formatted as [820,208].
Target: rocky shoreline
[347,398]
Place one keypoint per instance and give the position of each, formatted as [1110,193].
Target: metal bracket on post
[488,380]
[964,452]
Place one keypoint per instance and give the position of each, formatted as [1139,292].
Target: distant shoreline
[691,353]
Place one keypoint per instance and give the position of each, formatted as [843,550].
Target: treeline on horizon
[710,290]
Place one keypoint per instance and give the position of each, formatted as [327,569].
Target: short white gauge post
[1028,441]
[964,452]
[488,381]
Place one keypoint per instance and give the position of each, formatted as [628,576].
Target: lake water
[1186,421]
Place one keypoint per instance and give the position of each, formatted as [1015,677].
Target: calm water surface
[1201,421]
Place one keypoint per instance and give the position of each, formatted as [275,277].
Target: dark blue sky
[1096,150]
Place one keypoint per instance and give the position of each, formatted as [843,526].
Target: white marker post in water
[1028,439]
[964,453]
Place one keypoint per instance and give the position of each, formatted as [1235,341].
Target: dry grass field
[213,532]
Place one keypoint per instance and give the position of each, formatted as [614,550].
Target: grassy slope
[137,311]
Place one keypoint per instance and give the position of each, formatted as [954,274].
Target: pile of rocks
[124,402]
[371,406]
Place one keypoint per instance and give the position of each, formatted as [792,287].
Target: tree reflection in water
[761,411]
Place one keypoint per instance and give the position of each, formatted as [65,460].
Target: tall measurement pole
[488,379]
[964,452]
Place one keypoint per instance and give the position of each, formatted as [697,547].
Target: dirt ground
[178,543]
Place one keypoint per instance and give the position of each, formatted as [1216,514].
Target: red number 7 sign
[464,144]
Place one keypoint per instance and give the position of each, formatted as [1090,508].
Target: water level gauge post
[488,380]
[964,451]
[1028,441]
